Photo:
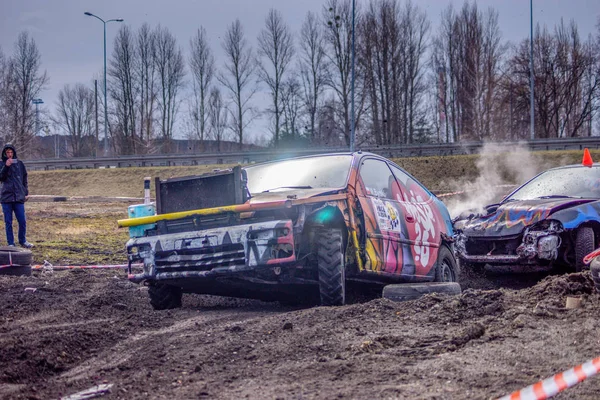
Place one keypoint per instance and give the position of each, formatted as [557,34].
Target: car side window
[412,189]
[379,180]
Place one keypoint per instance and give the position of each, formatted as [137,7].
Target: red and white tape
[588,259]
[557,383]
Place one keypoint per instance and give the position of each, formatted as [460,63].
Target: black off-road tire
[16,270]
[330,260]
[10,255]
[584,244]
[164,297]
[595,270]
[446,267]
[412,291]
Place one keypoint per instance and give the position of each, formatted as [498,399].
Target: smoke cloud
[499,170]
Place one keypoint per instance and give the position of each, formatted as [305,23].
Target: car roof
[357,153]
[595,165]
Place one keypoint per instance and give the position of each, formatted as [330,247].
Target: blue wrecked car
[553,220]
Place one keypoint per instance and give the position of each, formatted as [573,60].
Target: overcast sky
[71,44]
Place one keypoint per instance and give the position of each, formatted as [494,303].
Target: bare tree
[217,116]
[23,82]
[595,73]
[392,46]
[313,69]
[291,108]
[338,36]
[565,82]
[467,56]
[202,66]
[124,91]
[3,94]
[415,27]
[170,70]
[379,49]
[75,115]
[146,82]
[237,78]
[276,44]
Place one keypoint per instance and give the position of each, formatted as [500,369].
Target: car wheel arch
[595,225]
[334,220]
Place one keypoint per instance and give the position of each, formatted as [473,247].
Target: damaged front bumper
[538,244]
[213,252]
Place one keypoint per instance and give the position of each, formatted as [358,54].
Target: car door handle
[409,218]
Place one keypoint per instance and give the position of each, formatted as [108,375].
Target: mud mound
[563,285]
[67,331]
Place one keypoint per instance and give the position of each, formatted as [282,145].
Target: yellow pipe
[240,208]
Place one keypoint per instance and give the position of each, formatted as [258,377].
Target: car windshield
[300,173]
[578,182]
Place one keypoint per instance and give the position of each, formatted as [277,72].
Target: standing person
[14,194]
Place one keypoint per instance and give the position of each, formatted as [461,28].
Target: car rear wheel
[16,270]
[584,245]
[446,269]
[163,297]
[330,260]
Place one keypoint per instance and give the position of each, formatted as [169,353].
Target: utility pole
[96,111]
[89,14]
[352,81]
[531,104]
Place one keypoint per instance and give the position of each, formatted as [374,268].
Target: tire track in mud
[140,341]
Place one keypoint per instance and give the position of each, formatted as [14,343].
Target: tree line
[414,83]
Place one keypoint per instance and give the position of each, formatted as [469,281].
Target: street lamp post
[37,102]
[89,14]
[531,89]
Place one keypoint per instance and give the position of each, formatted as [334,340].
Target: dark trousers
[19,210]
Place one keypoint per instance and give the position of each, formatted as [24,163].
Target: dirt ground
[62,332]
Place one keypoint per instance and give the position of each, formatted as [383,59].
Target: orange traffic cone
[587,158]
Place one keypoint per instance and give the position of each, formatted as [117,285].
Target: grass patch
[77,234]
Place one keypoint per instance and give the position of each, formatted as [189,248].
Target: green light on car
[325,215]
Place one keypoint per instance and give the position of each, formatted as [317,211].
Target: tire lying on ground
[412,291]
[595,269]
[18,259]
[16,270]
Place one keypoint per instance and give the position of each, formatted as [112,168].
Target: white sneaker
[27,245]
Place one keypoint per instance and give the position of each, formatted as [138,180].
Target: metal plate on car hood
[511,218]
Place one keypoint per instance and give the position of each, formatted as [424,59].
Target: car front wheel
[163,297]
[584,245]
[330,259]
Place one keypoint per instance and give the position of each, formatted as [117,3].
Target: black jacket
[13,178]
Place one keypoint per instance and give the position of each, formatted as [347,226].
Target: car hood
[512,217]
[289,194]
